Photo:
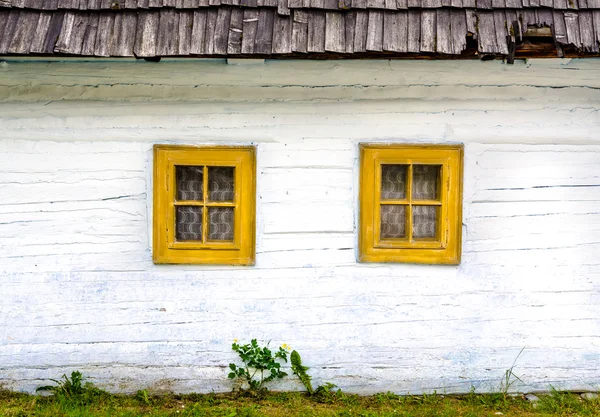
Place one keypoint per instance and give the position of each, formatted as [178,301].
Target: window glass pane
[393,182]
[393,221]
[190,183]
[220,223]
[424,221]
[189,223]
[425,182]
[220,183]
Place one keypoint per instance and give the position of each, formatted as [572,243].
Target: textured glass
[424,221]
[190,183]
[220,223]
[220,183]
[393,182]
[189,223]
[425,182]
[393,221]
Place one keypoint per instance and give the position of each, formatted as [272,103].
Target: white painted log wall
[79,290]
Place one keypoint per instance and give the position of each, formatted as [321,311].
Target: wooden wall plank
[186,24]
[414,31]
[375,4]
[458,21]
[222,30]
[89,38]
[360,31]
[316,31]
[395,32]
[586,25]
[335,32]
[560,29]
[350,22]
[300,31]
[146,34]
[105,34]
[263,43]
[10,28]
[428,30]
[596,19]
[168,33]
[211,25]
[198,46]
[283,8]
[234,43]
[282,35]
[486,32]
[572,27]
[23,35]
[124,32]
[375,31]
[500,25]
[249,31]
[38,42]
[443,32]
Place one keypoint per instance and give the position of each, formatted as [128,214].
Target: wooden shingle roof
[159,28]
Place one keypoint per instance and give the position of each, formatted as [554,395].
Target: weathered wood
[10,27]
[375,4]
[282,35]
[486,38]
[498,4]
[375,31]
[458,25]
[514,4]
[335,32]
[414,31]
[431,4]
[300,31]
[222,30]
[89,38]
[469,4]
[146,34]
[572,28]
[283,8]
[456,3]
[428,30]
[70,40]
[198,41]
[471,17]
[443,32]
[350,22]
[390,4]
[249,31]
[545,17]
[596,19]
[359,4]
[41,31]
[500,24]
[23,35]
[414,4]
[560,30]
[360,31]
[546,3]
[560,4]
[211,25]
[186,24]
[168,33]
[124,34]
[316,31]
[484,4]
[586,25]
[264,32]
[402,4]
[395,32]
[236,29]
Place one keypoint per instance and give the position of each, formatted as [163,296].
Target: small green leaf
[231,375]
[232,366]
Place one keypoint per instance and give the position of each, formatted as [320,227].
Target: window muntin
[204,205]
[410,203]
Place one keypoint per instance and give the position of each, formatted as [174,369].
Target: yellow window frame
[166,249]
[446,247]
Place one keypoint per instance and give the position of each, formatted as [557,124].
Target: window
[410,203]
[204,205]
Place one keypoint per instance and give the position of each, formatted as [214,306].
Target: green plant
[142,396]
[73,389]
[258,361]
[325,393]
[66,387]
[300,371]
[509,377]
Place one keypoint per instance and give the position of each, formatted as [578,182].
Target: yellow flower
[235,340]
[286,346]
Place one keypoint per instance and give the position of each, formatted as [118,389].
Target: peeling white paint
[79,290]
